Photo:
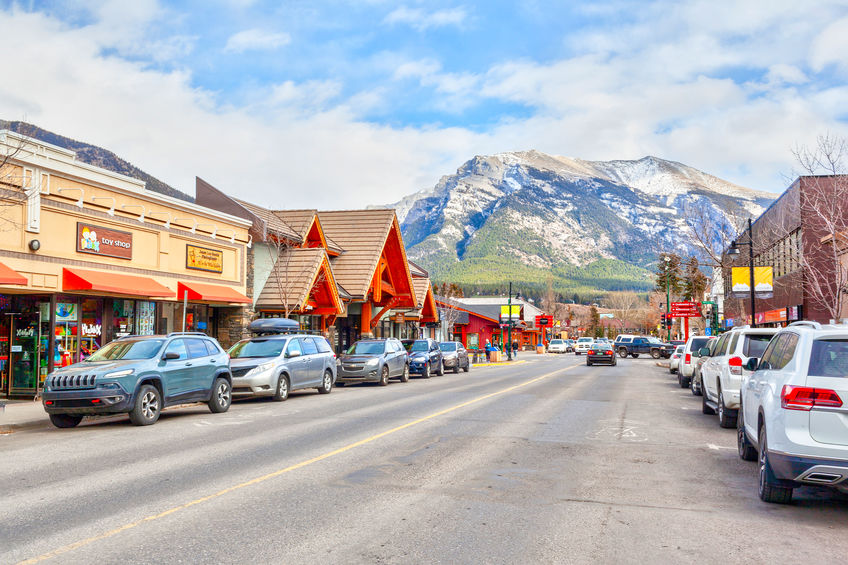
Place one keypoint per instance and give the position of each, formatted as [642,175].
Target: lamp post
[667,296]
[734,250]
[509,326]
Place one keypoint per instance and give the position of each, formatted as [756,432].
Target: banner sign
[544,320]
[105,242]
[685,310]
[763,282]
[516,312]
[204,259]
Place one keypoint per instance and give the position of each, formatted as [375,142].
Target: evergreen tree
[695,281]
[669,272]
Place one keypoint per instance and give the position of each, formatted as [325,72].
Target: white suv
[583,345]
[690,356]
[721,373]
[557,346]
[792,419]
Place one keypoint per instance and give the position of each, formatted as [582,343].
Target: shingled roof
[295,273]
[272,222]
[301,220]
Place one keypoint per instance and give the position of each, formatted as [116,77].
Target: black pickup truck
[635,345]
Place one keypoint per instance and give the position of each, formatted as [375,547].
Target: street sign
[516,312]
[544,320]
[708,331]
[685,309]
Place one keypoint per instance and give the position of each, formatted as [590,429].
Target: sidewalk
[497,364]
[19,415]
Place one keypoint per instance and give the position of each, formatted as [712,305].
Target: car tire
[65,420]
[695,386]
[622,352]
[726,417]
[456,367]
[747,452]
[282,391]
[147,406]
[634,355]
[425,372]
[404,377]
[327,384]
[441,370]
[384,376]
[467,365]
[222,396]
[683,381]
[655,353]
[767,488]
[706,408]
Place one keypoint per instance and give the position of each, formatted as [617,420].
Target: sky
[340,104]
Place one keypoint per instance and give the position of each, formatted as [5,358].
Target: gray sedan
[455,356]
[374,360]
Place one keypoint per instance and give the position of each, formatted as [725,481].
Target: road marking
[263,478]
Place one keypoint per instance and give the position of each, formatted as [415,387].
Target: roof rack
[186,333]
[808,323]
[274,326]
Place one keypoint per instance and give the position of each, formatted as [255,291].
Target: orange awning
[211,293]
[113,283]
[10,276]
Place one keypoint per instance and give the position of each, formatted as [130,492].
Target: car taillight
[735,364]
[805,398]
[609,352]
[591,352]
[688,359]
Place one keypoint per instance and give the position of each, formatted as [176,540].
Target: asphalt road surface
[548,461]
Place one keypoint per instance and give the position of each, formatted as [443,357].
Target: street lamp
[509,326]
[734,250]
[668,296]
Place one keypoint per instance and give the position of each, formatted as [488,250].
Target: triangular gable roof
[425,299]
[363,234]
[296,273]
[301,221]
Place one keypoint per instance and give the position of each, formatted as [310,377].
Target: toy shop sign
[106,242]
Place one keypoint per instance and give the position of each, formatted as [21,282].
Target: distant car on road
[140,375]
[374,361]
[557,346]
[674,360]
[583,345]
[690,354]
[793,415]
[425,358]
[601,352]
[637,345]
[455,356]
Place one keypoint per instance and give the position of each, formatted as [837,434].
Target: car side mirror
[752,364]
[170,355]
[704,352]
[290,354]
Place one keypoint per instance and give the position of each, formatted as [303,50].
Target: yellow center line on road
[263,478]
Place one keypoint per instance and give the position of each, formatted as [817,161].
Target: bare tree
[623,304]
[712,233]
[824,202]
[449,311]
[15,186]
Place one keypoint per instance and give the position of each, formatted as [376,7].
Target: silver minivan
[274,365]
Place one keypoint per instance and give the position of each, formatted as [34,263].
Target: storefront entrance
[24,344]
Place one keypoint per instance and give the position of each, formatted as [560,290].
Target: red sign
[544,320]
[685,309]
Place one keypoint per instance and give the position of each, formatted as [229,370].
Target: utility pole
[751,272]
[668,296]
[509,327]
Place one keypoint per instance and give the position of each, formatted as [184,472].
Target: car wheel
[65,420]
[655,353]
[622,352]
[456,367]
[695,385]
[746,450]
[441,370]
[404,377]
[425,372]
[683,381]
[221,396]
[327,384]
[726,418]
[467,365]
[282,391]
[767,488]
[148,405]
[384,376]
[706,408]
[634,355]
[588,363]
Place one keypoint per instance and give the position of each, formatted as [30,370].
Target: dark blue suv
[140,375]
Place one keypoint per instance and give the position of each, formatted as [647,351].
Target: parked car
[557,346]
[583,345]
[703,354]
[140,375]
[601,352]
[720,375]
[637,345]
[455,356]
[792,418]
[425,358]
[674,360]
[374,360]
[569,345]
[691,350]
[276,364]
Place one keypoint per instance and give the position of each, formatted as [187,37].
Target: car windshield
[755,345]
[680,349]
[127,350]
[420,346]
[556,342]
[255,348]
[585,340]
[829,358]
[447,346]
[367,348]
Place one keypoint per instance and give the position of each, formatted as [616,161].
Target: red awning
[113,283]
[10,276]
[211,293]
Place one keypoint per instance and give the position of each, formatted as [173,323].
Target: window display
[92,327]
[123,317]
[66,334]
[146,318]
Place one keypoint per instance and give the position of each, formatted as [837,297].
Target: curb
[499,364]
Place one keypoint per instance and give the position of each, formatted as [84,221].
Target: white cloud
[831,46]
[256,40]
[422,21]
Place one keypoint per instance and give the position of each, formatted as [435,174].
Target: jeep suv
[636,345]
[793,414]
[140,375]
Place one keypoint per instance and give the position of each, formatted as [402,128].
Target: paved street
[547,461]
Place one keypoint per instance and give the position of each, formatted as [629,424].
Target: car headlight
[116,374]
[373,362]
[261,368]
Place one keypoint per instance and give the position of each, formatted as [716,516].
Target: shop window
[473,341]
[67,333]
[146,318]
[123,317]
[91,331]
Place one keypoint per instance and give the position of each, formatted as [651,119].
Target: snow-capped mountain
[524,214]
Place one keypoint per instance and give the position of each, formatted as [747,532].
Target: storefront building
[89,255]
